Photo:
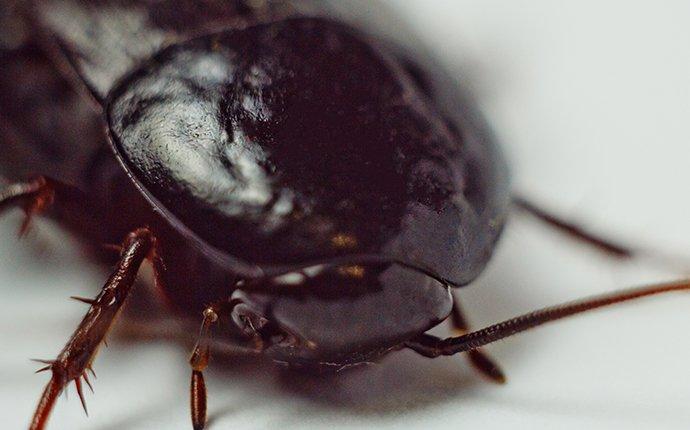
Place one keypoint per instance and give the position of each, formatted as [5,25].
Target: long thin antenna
[431,346]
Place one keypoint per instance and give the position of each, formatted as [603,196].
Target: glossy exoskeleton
[310,187]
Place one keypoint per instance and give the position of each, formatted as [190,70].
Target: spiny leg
[78,355]
[32,196]
[37,195]
[479,359]
[432,346]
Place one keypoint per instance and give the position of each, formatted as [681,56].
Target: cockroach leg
[36,195]
[478,358]
[199,361]
[677,263]
[79,353]
[573,230]
[432,346]
[33,196]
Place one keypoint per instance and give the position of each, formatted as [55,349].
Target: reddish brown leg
[37,195]
[78,355]
[478,358]
[199,361]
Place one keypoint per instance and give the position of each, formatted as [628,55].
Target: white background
[591,100]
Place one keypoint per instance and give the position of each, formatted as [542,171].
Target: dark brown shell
[299,141]
[283,142]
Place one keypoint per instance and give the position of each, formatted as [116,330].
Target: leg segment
[614,249]
[677,263]
[478,358]
[80,351]
[37,195]
[33,196]
[248,322]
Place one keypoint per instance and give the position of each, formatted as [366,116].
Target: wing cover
[106,40]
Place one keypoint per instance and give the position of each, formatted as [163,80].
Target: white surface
[591,100]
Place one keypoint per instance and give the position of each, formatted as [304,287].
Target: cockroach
[311,190]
